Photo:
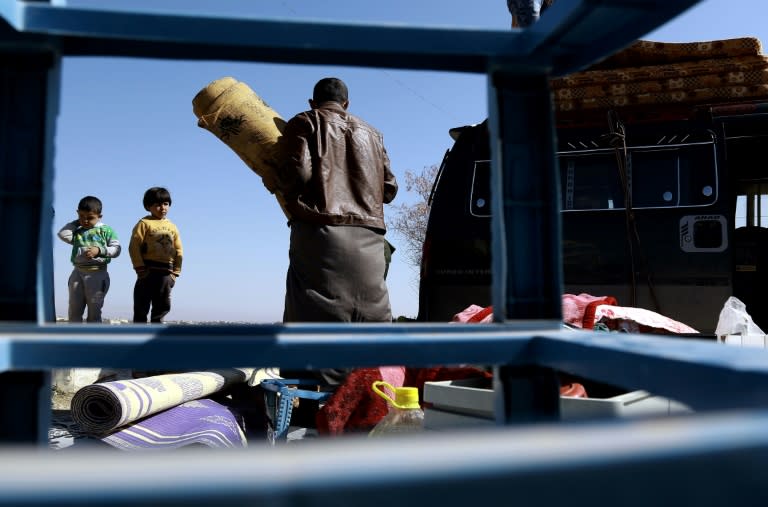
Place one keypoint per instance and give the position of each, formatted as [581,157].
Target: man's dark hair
[155,195]
[90,203]
[330,89]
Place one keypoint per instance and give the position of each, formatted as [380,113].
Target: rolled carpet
[234,113]
[197,422]
[101,408]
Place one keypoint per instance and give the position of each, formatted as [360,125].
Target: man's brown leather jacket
[336,170]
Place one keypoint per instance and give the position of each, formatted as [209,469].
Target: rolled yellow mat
[234,113]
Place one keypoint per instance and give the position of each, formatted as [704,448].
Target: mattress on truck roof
[664,79]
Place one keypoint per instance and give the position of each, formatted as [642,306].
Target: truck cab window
[655,177]
[480,204]
[752,205]
[660,176]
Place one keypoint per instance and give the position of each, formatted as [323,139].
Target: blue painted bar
[701,373]
[294,346]
[525,226]
[572,35]
[703,461]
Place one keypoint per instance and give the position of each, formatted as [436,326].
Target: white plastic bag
[734,319]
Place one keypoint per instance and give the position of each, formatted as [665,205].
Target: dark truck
[662,208]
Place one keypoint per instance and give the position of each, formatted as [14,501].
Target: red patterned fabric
[574,390]
[639,320]
[484,315]
[579,310]
[474,313]
[352,407]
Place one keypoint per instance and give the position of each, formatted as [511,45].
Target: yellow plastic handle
[375,387]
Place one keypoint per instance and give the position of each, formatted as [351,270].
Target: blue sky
[127,124]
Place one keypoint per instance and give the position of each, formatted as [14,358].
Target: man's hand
[92,251]
[141,271]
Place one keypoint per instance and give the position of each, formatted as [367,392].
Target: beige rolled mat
[234,113]
[100,408]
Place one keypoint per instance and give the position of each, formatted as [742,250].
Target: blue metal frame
[573,34]
[701,373]
[279,395]
[704,461]
[519,462]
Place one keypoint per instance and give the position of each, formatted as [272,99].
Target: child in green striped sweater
[94,245]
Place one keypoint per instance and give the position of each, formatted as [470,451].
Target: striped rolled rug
[100,408]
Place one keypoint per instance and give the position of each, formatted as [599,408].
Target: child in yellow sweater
[156,253]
